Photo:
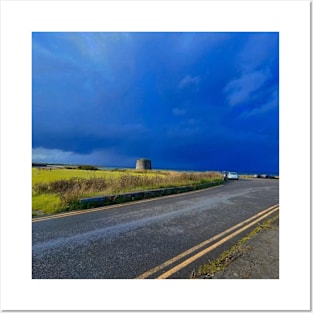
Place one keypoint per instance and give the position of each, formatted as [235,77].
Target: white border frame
[291,19]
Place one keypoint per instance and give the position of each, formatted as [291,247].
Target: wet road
[128,240]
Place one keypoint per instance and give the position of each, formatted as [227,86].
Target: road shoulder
[254,258]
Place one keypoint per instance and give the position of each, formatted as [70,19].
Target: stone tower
[143,164]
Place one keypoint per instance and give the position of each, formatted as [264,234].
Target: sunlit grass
[55,190]
[46,204]
[47,175]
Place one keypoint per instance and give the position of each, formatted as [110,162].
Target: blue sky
[194,101]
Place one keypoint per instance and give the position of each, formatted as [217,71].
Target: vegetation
[87,167]
[57,190]
[227,257]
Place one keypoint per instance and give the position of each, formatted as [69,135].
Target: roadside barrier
[140,195]
[94,204]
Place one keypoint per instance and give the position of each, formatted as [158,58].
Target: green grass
[46,204]
[56,190]
[46,175]
[227,257]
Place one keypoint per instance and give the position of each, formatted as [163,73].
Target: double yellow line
[60,215]
[234,231]
[114,206]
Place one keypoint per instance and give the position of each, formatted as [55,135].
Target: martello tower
[143,164]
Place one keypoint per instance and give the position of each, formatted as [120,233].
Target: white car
[232,175]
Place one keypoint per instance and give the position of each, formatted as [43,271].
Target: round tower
[143,164]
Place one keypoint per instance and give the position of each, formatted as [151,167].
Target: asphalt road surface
[147,238]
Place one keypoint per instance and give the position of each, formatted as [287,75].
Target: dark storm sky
[195,101]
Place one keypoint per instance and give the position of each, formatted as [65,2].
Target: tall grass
[67,190]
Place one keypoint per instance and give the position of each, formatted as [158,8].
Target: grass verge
[58,190]
[208,270]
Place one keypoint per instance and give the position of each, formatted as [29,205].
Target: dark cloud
[186,100]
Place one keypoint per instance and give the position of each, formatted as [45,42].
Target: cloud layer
[186,100]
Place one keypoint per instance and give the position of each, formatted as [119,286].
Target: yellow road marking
[205,251]
[193,249]
[39,219]
[45,218]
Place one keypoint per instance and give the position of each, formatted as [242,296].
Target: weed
[227,257]
[69,185]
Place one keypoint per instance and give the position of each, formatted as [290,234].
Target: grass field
[46,175]
[57,190]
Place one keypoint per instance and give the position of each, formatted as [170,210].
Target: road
[149,238]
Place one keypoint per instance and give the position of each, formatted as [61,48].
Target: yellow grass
[73,184]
